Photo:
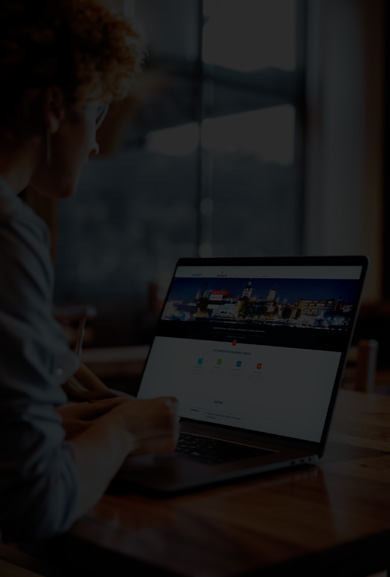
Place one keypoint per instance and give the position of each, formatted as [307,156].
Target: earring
[48,148]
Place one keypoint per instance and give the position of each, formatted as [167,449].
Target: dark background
[256,128]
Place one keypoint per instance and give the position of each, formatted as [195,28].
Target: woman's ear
[54,108]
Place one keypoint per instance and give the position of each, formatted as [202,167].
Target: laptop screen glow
[254,347]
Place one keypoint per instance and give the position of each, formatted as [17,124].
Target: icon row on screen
[219,363]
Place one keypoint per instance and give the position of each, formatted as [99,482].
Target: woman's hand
[114,429]
[85,385]
[77,417]
[152,425]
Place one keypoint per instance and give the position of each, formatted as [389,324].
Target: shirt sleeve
[39,484]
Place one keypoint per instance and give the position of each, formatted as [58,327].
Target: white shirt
[39,484]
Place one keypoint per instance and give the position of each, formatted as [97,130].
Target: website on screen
[253,348]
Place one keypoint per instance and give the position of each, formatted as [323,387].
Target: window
[209,161]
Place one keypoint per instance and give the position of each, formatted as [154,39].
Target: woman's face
[68,150]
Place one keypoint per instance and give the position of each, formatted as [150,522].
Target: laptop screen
[256,347]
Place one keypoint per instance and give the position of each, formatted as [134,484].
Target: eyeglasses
[101,114]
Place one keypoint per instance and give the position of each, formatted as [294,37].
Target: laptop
[254,350]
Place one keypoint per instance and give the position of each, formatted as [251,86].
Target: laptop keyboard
[213,451]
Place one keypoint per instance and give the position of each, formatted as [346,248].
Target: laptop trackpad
[172,473]
[165,472]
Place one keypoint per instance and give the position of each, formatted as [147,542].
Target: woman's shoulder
[24,237]
[17,216]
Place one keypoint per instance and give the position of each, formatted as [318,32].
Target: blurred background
[257,127]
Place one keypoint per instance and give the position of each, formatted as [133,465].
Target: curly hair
[77,45]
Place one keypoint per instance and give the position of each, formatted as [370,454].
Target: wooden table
[333,519]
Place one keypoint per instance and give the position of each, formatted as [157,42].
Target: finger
[173,404]
[75,428]
[97,408]
[159,425]
[93,396]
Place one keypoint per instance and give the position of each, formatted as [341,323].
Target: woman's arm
[129,427]
[78,416]
[84,384]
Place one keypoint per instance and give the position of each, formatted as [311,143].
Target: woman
[61,64]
